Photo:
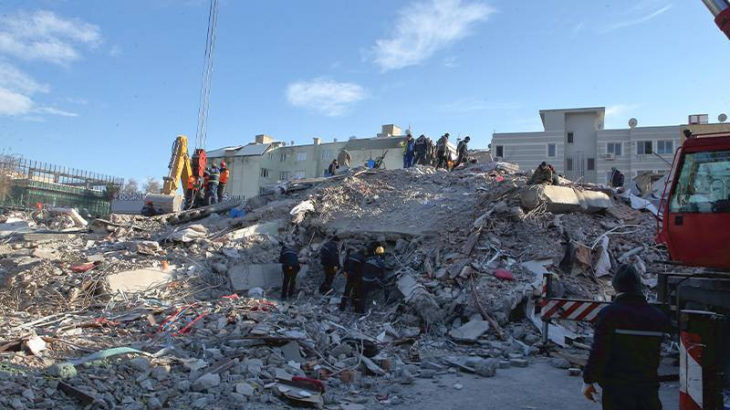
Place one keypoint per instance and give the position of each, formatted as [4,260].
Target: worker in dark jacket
[626,344]
[333,167]
[373,274]
[543,175]
[442,151]
[352,269]
[329,255]
[461,151]
[289,259]
[409,151]
[214,176]
[420,146]
[617,178]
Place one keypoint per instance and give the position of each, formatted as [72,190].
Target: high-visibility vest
[224,175]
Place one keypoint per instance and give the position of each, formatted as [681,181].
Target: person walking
[409,151]
[462,151]
[626,348]
[442,147]
[289,259]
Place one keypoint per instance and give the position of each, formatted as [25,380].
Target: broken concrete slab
[291,352]
[14,225]
[471,331]
[421,299]
[267,228]
[138,280]
[266,275]
[564,199]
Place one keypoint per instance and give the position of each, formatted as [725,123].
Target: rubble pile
[150,312]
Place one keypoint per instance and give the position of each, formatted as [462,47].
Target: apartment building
[266,162]
[575,141]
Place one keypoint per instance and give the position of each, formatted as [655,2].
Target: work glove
[589,390]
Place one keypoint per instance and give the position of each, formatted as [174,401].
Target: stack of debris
[165,313]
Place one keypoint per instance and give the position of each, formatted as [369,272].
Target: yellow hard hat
[379,250]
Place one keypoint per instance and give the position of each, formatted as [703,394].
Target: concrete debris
[164,312]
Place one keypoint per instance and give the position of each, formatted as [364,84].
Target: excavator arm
[180,167]
[720,9]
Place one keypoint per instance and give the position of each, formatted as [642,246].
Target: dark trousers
[353,290]
[212,194]
[442,160]
[631,398]
[329,276]
[189,195]
[221,188]
[290,280]
[420,158]
[408,160]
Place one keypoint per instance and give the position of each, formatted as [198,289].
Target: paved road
[539,386]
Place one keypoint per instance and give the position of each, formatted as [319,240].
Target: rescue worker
[556,180]
[409,151]
[373,273]
[442,147]
[289,259]
[332,169]
[223,180]
[190,192]
[617,178]
[329,255]
[542,175]
[212,186]
[205,192]
[462,150]
[626,344]
[420,146]
[148,209]
[352,269]
[430,152]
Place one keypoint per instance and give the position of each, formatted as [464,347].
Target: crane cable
[202,131]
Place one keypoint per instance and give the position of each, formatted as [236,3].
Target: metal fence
[28,184]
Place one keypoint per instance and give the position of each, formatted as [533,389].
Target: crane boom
[202,131]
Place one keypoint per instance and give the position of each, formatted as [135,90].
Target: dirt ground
[539,386]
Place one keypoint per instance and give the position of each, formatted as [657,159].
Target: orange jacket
[224,176]
[191,182]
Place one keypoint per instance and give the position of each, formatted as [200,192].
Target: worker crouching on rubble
[329,255]
[352,269]
[373,274]
[626,345]
[289,259]
[543,175]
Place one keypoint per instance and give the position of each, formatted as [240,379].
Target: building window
[284,175]
[570,138]
[299,174]
[326,155]
[591,164]
[569,164]
[301,156]
[500,151]
[551,150]
[282,156]
[643,147]
[664,147]
[264,173]
[614,148]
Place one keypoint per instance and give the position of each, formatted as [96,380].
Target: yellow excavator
[181,165]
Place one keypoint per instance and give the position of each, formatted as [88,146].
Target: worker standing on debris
[616,178]
[462,150]
[223,180]
[373,273]
[212,187]
[329,255]
[332,169]
[420,147]
[289,259]
[542,175]
[626,347]
[353,273]
[409,151]
[442,146]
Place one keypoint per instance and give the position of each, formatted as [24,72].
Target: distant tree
[131,188]
[152,186]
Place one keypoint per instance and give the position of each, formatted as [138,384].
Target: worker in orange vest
[190,191]
[223,180]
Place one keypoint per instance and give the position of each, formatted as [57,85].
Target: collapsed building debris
[175,312]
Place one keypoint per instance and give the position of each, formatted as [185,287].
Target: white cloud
[635,21]
[325,96]
[12,103]
[425,27]
[620,109]
[14,79]
[44,36]
[55,111]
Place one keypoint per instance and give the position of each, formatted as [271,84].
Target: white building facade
[575,142]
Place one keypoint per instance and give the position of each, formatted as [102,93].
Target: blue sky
[107,85]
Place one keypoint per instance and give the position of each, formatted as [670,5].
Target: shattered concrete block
[206,381]
[564,199]
[138,280]
[471,331]
[267,275]
[487,367]
[420,299]
[245,389]
[267,228]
